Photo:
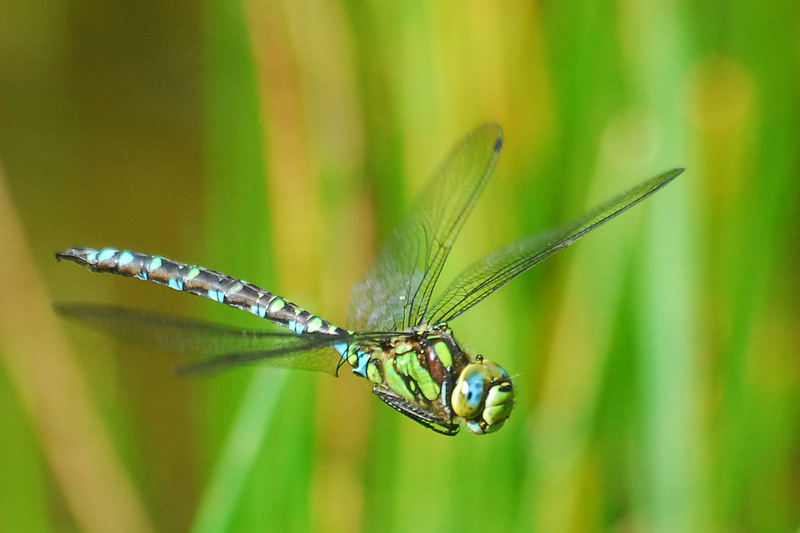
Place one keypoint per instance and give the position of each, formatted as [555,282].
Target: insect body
[400,340]
[422,373]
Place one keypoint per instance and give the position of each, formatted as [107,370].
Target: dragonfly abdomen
[201,281]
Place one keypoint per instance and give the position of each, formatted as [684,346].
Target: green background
[657,362]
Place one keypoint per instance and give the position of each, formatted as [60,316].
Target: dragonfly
[399,337]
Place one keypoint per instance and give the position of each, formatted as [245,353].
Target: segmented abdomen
[202,282]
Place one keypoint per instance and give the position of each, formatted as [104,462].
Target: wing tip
[498,144]
[675,172]
[491,128]
[664,178]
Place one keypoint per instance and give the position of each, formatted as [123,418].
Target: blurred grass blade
[667,336]
[237,231]
[53,390]
[225,489]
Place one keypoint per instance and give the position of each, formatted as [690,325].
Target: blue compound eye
[470,391]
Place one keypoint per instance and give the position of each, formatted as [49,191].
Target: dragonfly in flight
[399,336]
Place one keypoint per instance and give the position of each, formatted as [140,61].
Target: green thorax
[417,365]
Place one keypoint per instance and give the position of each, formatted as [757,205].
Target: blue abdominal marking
[296,326]
[361,367]
[125,258]
[105,254]
[217,295]
[341,348]
[259,310]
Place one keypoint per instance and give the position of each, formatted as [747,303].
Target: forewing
[221,346]
[398,286]
[501,266]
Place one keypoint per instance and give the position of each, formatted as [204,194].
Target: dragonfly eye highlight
[470,390]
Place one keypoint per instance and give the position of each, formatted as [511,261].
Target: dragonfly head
[483,396]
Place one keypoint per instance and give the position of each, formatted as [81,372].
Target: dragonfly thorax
[426,375]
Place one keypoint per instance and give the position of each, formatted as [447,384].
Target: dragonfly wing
[222,346]
[501,266]
[398,286]
[320,358]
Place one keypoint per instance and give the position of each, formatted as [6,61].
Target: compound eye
[499,402]
[495,370]
[470,390]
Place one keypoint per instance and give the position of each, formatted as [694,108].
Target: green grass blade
[225,489]
[238,231]
[667,335]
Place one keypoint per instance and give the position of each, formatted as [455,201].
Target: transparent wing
[320,358]
[222,346]
[501,266]
[397,288]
